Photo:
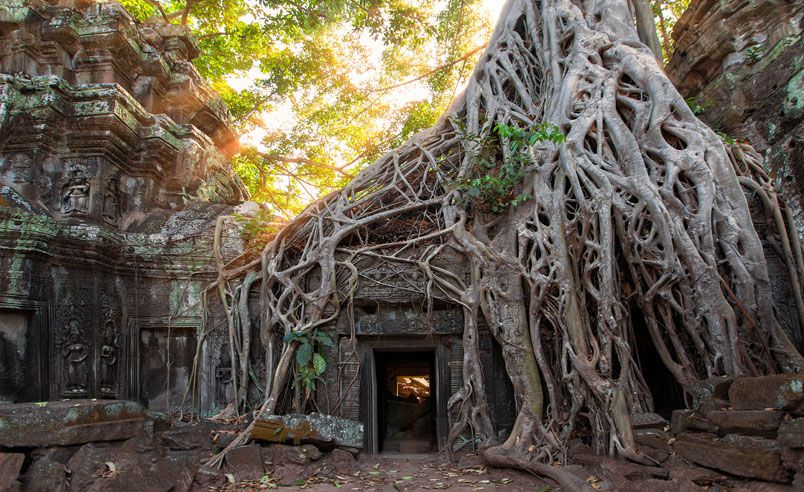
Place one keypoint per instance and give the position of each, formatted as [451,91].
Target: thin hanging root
[638,220]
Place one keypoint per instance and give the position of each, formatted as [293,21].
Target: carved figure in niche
[110,202]
[22,167]
[75,359]
[108,355]
[75,195]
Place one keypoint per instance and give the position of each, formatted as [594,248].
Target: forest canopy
[319,89]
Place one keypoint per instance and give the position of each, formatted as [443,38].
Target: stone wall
[113,172]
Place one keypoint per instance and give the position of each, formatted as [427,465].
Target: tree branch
[431,72]
[304,160]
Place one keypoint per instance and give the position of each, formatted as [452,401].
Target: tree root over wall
[642,204]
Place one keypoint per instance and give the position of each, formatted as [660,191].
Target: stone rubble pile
[84,445]
[749,427]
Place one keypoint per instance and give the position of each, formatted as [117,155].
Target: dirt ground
[409,472]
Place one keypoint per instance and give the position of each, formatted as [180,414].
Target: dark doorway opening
[20,371]
[667,393]
[406,389]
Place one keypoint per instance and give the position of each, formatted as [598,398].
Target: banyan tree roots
[639,213]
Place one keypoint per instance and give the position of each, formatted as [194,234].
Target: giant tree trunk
[641,205]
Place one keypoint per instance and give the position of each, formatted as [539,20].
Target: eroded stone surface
[10,466]
[747,422]
[245,462]
[744,456]
[315,428]
[781,392]
[71,422]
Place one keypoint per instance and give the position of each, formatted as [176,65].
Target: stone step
[744,456]
[69,422]
[779,391]
[763,423]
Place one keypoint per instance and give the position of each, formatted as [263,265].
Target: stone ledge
[70,422]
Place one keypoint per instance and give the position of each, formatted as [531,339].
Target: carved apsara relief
[111,202]
[72,345]
[75,193]
[110,347]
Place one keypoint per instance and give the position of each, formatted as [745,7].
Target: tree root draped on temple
[639,213]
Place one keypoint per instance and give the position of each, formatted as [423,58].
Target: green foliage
[139,9]
[696,107]
[725,138]
[314,82]
[666,13]
[257,230]
[310,363]
[496,179]
[755,53]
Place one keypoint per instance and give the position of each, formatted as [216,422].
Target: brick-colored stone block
[763,423]
[780,391]
[744,456]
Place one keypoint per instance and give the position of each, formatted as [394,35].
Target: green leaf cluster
[310,362]
[696,107]
[500,162]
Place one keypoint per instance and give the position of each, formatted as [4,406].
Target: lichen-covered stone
[314,428]
[66,423]
[779,391]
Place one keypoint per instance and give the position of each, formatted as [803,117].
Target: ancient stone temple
[113,171]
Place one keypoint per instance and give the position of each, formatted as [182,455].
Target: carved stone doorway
[406,421]
[404,391]
[23,351]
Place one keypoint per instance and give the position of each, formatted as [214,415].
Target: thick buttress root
[640,208]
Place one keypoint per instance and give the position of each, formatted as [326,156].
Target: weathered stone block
[46,475]
[65,423]
[791,433]
[712,393]
[780,391]
[654,443]
[684,420]
[762,423]
[315,428]
[648,421]
[245,462]
[280,454]
[10,465]
[744,456]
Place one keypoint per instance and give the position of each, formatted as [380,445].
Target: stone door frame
[156,323]
[41,319]
[369,393]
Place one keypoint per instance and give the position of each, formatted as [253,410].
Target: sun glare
[366,56]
